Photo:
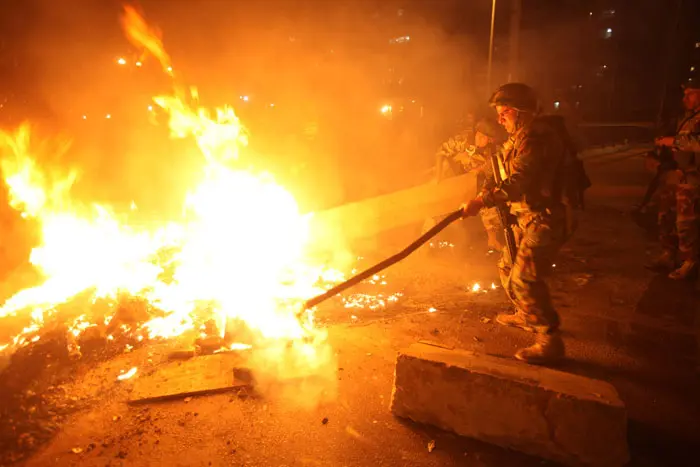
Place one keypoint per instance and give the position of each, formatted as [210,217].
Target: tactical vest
[563,180]
[690,124]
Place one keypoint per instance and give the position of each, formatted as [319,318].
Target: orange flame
[141,35]
[238,253]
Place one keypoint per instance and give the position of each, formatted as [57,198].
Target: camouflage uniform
[459,153]
[528,169]
[460,157]
[679,199]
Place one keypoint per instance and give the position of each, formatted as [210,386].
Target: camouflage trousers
[679,215]
[539,238]
[489,217]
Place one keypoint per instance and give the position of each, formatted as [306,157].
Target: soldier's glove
[472,207]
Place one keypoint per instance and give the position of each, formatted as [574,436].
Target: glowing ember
[127,375]
[476,287]
[432,310]
[493,286]
[371,302]
[441,245]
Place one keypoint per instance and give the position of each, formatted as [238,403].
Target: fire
[237,254]
[144,37]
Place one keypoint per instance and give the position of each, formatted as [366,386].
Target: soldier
[459,156]
[449,162]
[679,199]
[532,164]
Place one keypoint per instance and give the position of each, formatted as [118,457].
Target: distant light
[697,45]
[272,105]
[557,104]
[609,30]
[121,61]
[385,109]
[608,33]
[605,67]
[138,64]
[84,117]
[244,98]
[108,116]
[400,40]
[692,68]
[170,69]
[590,13]
[150,108]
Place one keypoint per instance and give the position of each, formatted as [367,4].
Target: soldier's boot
[665,261]
[547,350]
[685,271]
[515,320]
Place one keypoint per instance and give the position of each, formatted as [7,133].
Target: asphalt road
[622,324]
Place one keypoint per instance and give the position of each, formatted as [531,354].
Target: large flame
[237,254]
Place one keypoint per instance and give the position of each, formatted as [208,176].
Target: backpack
[572,179]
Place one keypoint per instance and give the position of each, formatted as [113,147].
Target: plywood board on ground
[199,375]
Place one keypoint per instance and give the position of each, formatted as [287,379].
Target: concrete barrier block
[539,411]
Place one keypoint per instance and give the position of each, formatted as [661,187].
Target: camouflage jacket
[687,138]
[528,164]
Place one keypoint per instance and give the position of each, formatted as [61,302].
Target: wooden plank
[200,375]
[367,218]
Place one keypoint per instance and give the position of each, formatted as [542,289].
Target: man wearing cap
[529,163]
[679,199]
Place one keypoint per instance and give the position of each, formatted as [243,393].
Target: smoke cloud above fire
[309,80]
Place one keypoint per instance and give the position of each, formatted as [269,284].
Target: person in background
[471,151]
[679,198]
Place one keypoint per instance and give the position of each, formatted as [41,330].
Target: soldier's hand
[472,207]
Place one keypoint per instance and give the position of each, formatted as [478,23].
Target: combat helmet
[516,95]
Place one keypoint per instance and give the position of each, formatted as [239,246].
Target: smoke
[314,74]
[302,374]
[308,79]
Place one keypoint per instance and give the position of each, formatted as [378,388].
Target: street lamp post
[493,22]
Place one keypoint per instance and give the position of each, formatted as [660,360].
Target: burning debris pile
[226,275]
[222,265]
